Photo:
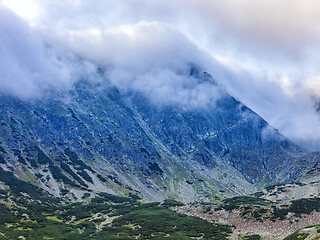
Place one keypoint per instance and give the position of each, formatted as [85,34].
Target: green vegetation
[246,200]
[85,175]
[18,186]
[171,203]
[102,178]
[20,158]
[59,176]
[132,219]
[42,157]
[2,160]
[238,202]
[2,150]
[29,153]
[298,207]
[305,206]
[261,209]
[66,168]
[6,215]
[297,236]
[160,223]
[76,160]
[252,237]
[30,212]
[303,234]
[86,195]
[155,167]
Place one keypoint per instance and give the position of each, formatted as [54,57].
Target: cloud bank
[27,66]
[148,57]
[265,53]
[287,28]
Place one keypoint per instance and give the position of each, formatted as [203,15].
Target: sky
[265,53]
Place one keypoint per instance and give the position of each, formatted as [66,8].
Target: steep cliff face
[94,138]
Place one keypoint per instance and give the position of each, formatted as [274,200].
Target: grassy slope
[27,211]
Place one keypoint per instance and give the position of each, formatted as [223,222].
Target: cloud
[148,57]
[312,84]
[286,104]
[266,53]
[287,28]
[27,66]
[137,47]
[28,9]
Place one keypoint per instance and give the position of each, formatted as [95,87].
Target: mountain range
[96,138]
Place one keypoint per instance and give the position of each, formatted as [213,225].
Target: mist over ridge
[150,51]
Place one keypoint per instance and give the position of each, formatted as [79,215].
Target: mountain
[94,138]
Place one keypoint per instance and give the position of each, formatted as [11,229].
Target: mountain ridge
[99,139]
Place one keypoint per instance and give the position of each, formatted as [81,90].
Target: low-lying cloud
[27,66]
[288,105]
[265,53]
[148,57]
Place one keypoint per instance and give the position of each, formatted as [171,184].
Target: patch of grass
[2,160]
[156,223]
[66,168]
[171,203]
[252,237]
[42,157]
[236,202]
[297,236]
[305,206]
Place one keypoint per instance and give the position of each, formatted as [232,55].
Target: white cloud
[287,28]
[312,84]
[26,65]
[27,9]
[266,53]
[148,57]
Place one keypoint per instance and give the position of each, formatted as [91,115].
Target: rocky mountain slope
[96,139]
[283,211]
[257,218]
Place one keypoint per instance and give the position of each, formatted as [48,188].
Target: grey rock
[124,143]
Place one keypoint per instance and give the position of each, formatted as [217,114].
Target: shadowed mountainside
[94,138]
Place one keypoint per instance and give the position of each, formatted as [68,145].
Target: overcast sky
[266,53]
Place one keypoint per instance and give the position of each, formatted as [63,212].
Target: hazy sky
[266,53]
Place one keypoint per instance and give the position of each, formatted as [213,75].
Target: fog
[27,66]
[264,53]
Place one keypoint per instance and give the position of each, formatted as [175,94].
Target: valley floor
[266,229]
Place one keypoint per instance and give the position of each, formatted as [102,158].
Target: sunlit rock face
[95,138]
